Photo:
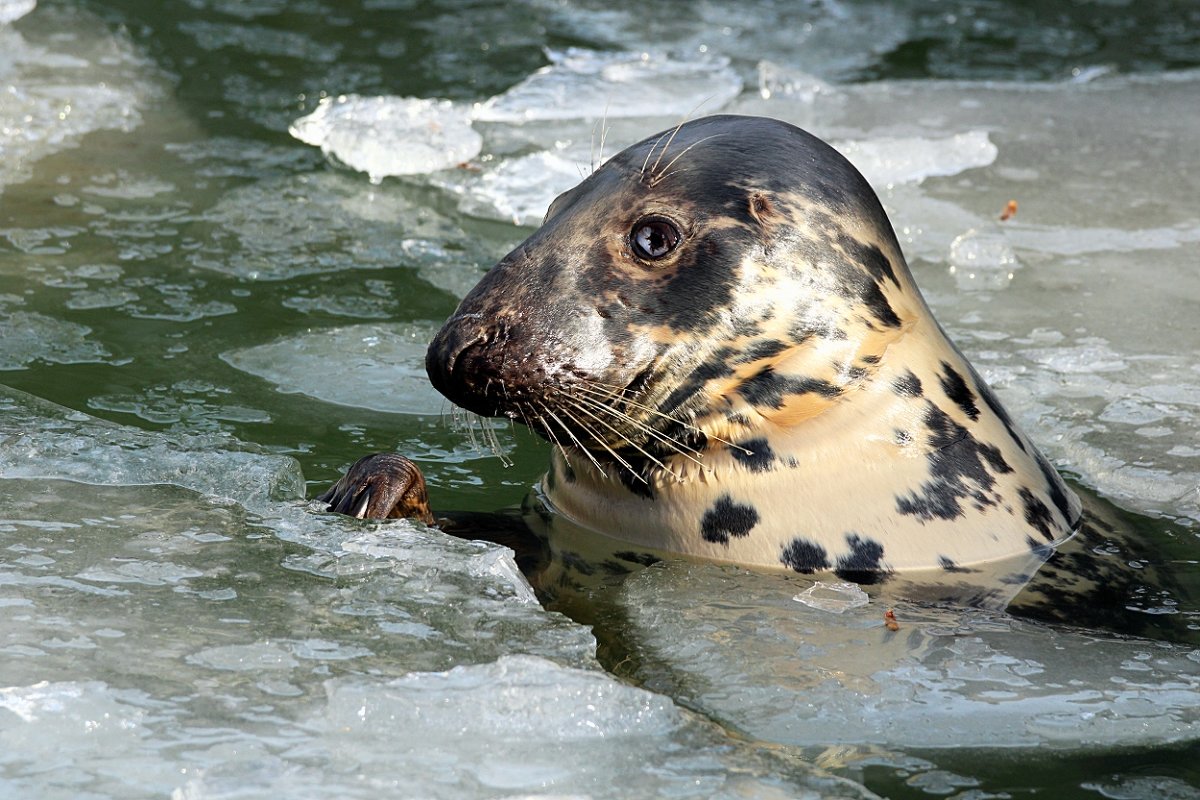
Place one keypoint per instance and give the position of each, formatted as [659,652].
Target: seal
[718,332]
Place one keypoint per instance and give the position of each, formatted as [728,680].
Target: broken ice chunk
[887,161]
[521,189]
[584,84]
[982,258]
[833,597]
[13,10]
[380,367]
[385,136]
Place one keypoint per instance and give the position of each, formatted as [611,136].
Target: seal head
[719,333]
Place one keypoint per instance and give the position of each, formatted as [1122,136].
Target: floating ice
[1078,241]
[982,259]
[886,161]
[775,80]
[62,77]
[39,439]
[183,708]
[30,337]
[518,697]
[833,597]
[188,405]
[587,84]
[330,222]
[384,136]
[381,367]
[518,727]
[947,678]
[521,189]
[832,39]
[13,10]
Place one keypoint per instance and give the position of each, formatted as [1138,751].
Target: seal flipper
[390,486]
[381,486]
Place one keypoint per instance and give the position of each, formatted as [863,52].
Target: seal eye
[654,238]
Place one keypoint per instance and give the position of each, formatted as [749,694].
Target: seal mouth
[607,419]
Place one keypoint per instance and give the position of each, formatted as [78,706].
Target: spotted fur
[773,391]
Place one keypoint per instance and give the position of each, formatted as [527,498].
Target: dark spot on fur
[644,559]
[870,359]
[1039,549]
[864,563]
[614,568]
[854,283]
[804,556]
[1037,514]
[957,390]
[985,392]
[574,561]
[958,469]
[1058,492]
[907,385]
[870,258]
[727,518]
[746,327]
[901,438]
[768,388]
[995,458]
[759,459]
[717,366]
[763,348]
[947,564]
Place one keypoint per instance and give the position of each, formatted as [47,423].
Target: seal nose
[453,360]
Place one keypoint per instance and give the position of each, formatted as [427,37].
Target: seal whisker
[650,153]
[656,179]
[624,463]
[634,445]
[549,432]
[616,395]
[603,123]
[667,146]
[574,438]
[678,127]
[671,444]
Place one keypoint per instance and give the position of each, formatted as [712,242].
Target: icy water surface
[227,229]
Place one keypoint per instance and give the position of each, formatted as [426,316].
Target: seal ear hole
[653,238]
[760,207]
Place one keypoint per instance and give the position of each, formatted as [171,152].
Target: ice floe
[384,136]
[885,161]
[380,622]
[586,84]
[13,10]
[520,189]
[31,337]
[381,367]
[62,77]
[944,678]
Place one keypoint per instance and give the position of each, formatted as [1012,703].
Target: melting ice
[390,135]
[381,367]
